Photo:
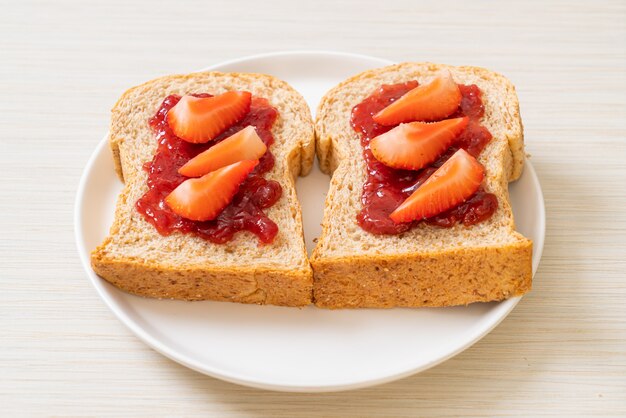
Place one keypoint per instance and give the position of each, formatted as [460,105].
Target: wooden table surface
[62,66]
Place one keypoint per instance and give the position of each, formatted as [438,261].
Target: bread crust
[261,285]
[445,278]
[423,271]
[136,259]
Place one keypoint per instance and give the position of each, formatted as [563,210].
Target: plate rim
[504,308]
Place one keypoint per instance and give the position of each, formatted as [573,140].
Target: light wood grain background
[62,66]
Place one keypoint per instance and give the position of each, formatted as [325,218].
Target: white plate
[305,350]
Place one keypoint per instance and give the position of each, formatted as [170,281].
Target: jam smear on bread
[255,193]
[387,188]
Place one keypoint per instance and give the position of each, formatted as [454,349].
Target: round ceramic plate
[306,350]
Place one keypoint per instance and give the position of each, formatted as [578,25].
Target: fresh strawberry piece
[200,119]
[453,183]
[433,101]
[204,198]
[243,145]
[412,146]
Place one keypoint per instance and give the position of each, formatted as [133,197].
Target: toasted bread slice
[137,259]
[427,265]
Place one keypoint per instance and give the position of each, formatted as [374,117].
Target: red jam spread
[245,212]
[386,188]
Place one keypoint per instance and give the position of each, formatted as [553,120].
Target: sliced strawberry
[412,146]
[204,198]
[200,119]
[454,182]
[433,101]
[243,145]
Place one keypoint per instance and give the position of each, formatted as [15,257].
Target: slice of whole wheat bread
[137,259]
[427,265]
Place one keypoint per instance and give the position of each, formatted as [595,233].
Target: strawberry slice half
[412,146]
[453,183]
[243,145]
[200,119]
[204,198]
[433,101]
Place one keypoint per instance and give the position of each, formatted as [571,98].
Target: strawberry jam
[245,211]
[386,188]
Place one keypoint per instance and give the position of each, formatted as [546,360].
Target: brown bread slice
[426,266]
[137,259]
